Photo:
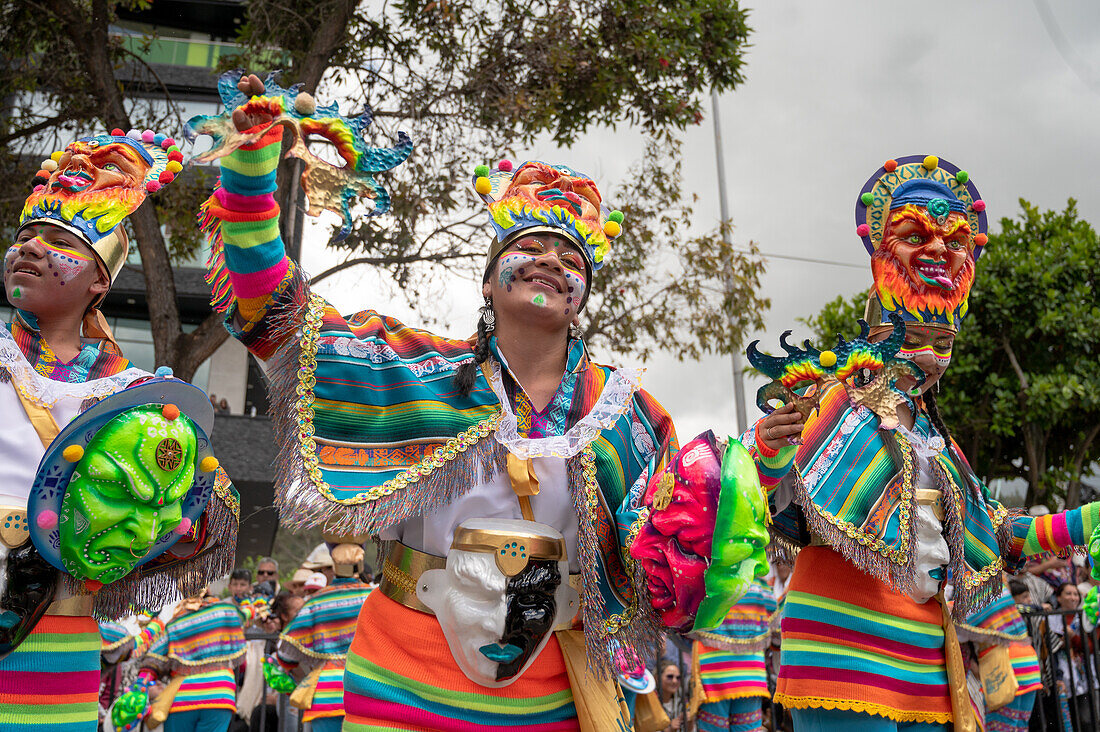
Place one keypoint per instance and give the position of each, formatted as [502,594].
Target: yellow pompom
[827,359]
[483,186]
[174,166]
[612,229]
[73,453]
[209,464]
[57,155]
[931,162]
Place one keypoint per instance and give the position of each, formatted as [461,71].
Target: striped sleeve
[1052,533]
[772,465]
[254,253]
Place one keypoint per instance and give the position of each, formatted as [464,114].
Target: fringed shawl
[206,639]
[849,494]
[747,626]
[372,431]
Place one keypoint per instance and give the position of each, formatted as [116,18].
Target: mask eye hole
[861,378]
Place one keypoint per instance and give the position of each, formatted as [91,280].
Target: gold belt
[930,497]
[403,567]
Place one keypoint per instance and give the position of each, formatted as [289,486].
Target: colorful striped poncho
[848,493]
[731,656]
[1000,624]
[321,634]
[373,429]
[852,637]
[204,646]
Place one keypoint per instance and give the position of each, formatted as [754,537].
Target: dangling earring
[488,316]
[575,331]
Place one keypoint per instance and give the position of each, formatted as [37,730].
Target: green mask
[126,493]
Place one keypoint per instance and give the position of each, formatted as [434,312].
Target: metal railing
[1066,644]
[282,703]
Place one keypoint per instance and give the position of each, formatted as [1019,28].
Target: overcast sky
[832,90]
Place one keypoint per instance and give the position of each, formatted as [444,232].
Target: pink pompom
[184,527]
[148,136]
[168,142]
[152,186]
[46,520]
[978,205]
[863,230]
[39,187]
[505,165]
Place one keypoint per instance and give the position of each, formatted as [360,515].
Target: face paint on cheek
[574,291]
[943,358]
[539,300]
[66,264]
[511,267]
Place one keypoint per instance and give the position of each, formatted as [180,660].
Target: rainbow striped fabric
[321,633]
[208,690]
[850,642]
[204,645]
[51,681]
[1025,664]
[400,676]
[731,656]
[849,493]
[95,360]
[999,621]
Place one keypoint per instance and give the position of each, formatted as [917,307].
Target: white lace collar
[46,392]
[612,403]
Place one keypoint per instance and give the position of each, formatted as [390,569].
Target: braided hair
[930,406]
[466,375]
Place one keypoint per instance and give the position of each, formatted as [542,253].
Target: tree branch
[386,261]
[35,128]
[1015,362]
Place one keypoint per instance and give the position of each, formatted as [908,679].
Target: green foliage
[471,81]
[1022,395]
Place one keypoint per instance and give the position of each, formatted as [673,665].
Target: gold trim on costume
[512,550]
[307,445]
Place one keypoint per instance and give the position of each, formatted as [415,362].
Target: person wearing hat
[197,654]
[397,432]
[320,560]
[296,585]
[866,479]
[314,646]
[66,547]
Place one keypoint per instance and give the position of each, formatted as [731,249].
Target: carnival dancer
[996,641]
[862,474]
[119,645]
[729,662]
[197,654]
[422,439]
[314,647]
[67,548]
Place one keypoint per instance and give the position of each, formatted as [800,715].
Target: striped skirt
[51,681]
[328,699]
[727,675]
[1025,664]
[400,676]
[207,690]
[852,643]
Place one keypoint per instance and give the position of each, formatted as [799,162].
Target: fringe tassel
[734,645]
[901,577]
[301,504]
[217,274]
[641,632]
[966,600]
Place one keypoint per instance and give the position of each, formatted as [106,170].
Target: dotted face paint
[65,263]
[574,290]
[512,266]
